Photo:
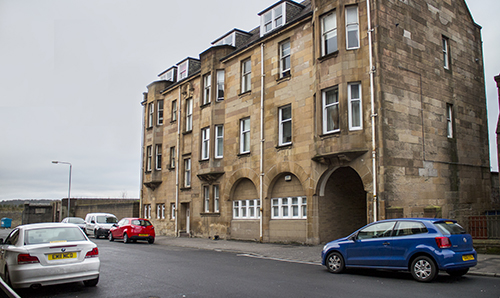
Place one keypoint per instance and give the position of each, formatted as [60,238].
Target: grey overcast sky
[72,74]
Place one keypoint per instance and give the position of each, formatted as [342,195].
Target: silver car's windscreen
[53,235]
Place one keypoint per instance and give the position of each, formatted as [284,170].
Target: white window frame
[226,40]
[172,210]
[158,153]
[151,112]
[246,209]
[174,110]
[147,211]
[245,135]
[446,54]
[172,157]
[216,198]
[205,143]
[351,25]
[246,75]
[289,208]
[326,107]
[207,88]
[220,84]
[187,172]
[159,113]
[449,120]
[272,19]
[206,199]
[149,158]
[160,211]
[282,123]
[189,114]
[285,58]
[219,141]
[328,32]
[183,70]
[352,106]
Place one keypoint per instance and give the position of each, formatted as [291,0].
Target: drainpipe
[143,136]
[261,176]
[373,115]
[177,157]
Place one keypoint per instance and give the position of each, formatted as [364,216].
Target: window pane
[331,97]
[352,37]
[330,42]
[332,119]
[356,113]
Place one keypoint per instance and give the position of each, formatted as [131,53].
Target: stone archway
[342,206]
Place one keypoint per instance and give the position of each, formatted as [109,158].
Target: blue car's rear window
[450,228]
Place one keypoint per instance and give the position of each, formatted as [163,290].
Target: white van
[98,224]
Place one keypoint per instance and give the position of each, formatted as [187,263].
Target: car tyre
[423,269]
[458,273]
[91,282]
[110,236]
[151,240]
[7,277]
[335,262]
[96,235]
[125,238]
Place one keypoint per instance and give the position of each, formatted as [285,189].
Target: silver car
[43,254]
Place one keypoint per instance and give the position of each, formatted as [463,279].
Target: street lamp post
[69,188]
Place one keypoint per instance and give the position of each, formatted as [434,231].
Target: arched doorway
[245,210]
[342,204]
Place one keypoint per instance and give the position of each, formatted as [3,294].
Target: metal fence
[483,226]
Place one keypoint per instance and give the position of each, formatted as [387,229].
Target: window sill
[187,132]
[245,93]
[185,188]
[285,78]
[204,160]
[173,121]
[205,105]
[328,56]
[286,146]
[210,214]
[243,154]
[330,134]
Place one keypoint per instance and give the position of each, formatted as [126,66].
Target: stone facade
[297,160]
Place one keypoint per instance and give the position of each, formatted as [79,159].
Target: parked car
[75,220]
[98,224]
[133,229]
[35,255]
[421,246]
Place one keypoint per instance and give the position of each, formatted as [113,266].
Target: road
[143,270]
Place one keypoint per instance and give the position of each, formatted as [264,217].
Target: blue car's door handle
[386,243]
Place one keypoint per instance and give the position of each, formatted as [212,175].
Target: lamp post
[69,188]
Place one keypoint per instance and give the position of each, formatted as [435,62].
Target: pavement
[487,265]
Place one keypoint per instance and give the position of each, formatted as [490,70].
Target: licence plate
[143,235]
[64,255]
[468,257]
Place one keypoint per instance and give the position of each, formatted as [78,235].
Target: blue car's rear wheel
[423,269]
[335,262]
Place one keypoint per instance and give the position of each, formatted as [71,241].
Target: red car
[133,229]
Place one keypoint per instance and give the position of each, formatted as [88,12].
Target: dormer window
[226,40]
[169,75]
[183,70]
[278,15]
[272,19]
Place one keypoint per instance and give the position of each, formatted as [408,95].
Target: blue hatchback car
[422,246]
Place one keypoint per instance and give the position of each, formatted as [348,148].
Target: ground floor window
[147,211]
[289,208]
[246,209]
[172,210]
[160,211]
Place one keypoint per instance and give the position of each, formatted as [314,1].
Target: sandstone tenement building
[326,116]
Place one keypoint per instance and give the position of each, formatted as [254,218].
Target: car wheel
[7,277]
[96,235]
[335,262]
[151,240]
[458,273]
[110,236]
[423,269]
[91,282]
[125,238]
